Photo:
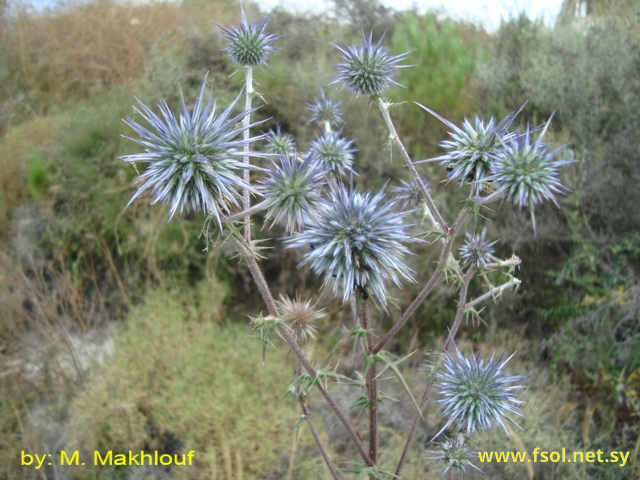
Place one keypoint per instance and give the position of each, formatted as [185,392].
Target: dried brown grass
[72,53]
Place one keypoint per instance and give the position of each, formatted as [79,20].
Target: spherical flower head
[193,160]
[526,172]
[249,45]
[293,190]
[367,69]
[470,149]
[410,193]
[357,242]
[455,454]
[301,316]
[325,111]
[477,251]
[477,394]
[334,152]
[280,143]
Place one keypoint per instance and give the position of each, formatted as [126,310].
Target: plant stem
[435,215]
[371,383]
[462,306]
[246,121]
[433,281]
[255,209]
[302,398]
[288,337]
[493,292]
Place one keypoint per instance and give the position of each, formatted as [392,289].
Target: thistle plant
[477,251]
[471,148]
[359,243]
[193,159]
[455,454]
[333,152]
[249,45]
[476,394]
[409,192]
[280,143]
[292,189]
[367,70]
[526,172]
[301,316]
[325,112]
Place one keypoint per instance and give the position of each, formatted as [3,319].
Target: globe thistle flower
[525,172]
[357,242]
[477,251]
[292,190]
[301,316]
[280,143]
[477,394]
[192,160]
[410,193]
[470,149]
[325,111]
[455,454]
[367,69]
[249,45]
[334,152]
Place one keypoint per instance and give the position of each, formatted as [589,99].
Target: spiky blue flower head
[334,152]
[410,193]
[455,454]
[280,143]
[476,394]
[525,172]
[477,251]
[249,45]
[470,149]
[325,111]
[367,69]
[357,242]
[193,159]
[293,190]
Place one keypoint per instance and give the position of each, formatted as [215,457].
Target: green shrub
[442,82]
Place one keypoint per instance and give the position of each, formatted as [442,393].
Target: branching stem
[288,337]
[514,282]
[302,398]
[435,215]
[462,306]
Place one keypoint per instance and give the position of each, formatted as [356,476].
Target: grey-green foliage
[586,72]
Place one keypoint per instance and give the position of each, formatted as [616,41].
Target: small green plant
[39,180]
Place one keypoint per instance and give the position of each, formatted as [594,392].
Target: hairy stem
[253,210]
[435,215]
[433,281]
[514,282]
[462,306]
[371,383]
[246,121]
[288,337]
[302,398]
